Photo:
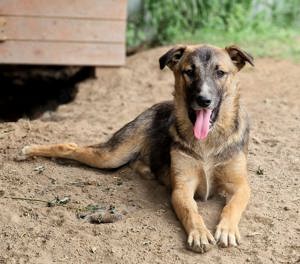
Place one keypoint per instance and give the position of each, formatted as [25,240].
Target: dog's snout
[203,101]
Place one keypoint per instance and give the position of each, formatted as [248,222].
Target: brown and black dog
[197,143]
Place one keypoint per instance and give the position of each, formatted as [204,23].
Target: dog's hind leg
[99,157]
[123,147]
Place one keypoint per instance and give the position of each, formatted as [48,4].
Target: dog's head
[203,76]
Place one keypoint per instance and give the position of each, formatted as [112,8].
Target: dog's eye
[220,73]
[189,73]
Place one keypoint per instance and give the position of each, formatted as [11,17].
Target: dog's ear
[172,57]
[239,56]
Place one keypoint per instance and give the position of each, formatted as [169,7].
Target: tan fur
[230,176]
[195,168]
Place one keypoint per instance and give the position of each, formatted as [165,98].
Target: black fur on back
[160,140]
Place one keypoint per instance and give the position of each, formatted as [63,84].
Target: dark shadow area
[29,91]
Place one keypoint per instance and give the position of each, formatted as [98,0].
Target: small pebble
[286,208]
[93,249]
[39,169]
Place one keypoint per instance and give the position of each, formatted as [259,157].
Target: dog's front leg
[185,179]
[233,179]
[199,237]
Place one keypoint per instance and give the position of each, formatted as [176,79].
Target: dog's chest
[206,186]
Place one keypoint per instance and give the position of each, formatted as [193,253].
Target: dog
[196,144]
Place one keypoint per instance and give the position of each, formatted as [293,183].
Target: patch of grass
[265,28]
[274,42]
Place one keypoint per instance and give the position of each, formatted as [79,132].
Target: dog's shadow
[155,191]
[151,194]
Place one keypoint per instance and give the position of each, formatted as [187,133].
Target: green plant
[217,21]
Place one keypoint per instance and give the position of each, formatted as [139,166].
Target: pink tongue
[201,126]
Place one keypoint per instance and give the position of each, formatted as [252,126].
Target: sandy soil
[31,232]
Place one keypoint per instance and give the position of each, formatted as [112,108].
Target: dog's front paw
[227,234]
[200,240]
[24,154]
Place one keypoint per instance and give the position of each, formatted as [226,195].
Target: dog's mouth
[203,120]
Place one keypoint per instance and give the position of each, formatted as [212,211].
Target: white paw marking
[25,150]
[23,154]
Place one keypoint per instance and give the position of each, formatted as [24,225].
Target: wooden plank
[104,9]
[60,53]
[58,29]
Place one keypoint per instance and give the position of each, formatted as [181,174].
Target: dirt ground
[31,232]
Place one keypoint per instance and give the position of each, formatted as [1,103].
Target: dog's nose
[203,101]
